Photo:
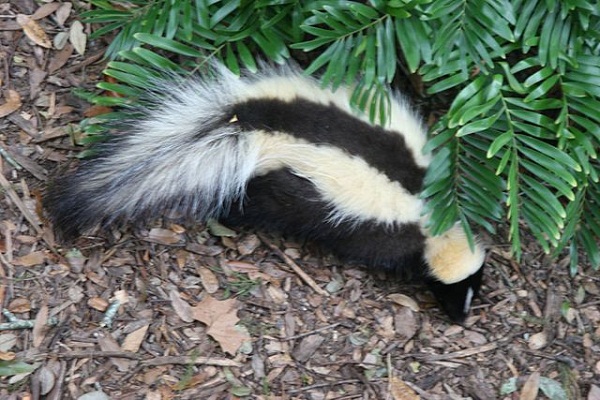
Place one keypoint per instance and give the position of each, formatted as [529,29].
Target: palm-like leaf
[518,143]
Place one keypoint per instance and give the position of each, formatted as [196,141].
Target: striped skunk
[277,152]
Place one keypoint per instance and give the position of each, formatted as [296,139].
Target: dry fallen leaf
[594,393]
[401,391]
[182,309]
[34,31]
[7,341]
[108,343]
[44,10]
[538,341]
[121,296]
[405,323]
[63,13]
[39,326]
[307,347]
[19,305]
[60,40]
[78,37]
[531,387]
[96,110]
[133,341]
[404,300]
[221,318]
[7,355]
[98,303]
[164,236]
[46,379]
[210,282]
[242,266]
[36,78]
[31,259]
[13,103]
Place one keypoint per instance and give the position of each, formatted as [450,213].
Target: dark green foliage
[519,142]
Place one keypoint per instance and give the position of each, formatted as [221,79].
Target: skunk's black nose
[455,299]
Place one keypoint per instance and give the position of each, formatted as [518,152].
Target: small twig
[87,354]
[187,360]
[10,159]
[10,192]
[324,328]
[19,203]
[450,356]
[554,357]
[322,385]
[3,277]
[90,60]
[292,264]
[17,323]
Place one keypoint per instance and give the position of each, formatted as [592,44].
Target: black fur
[285,203]
[326,124]
[130,178]
[450,297]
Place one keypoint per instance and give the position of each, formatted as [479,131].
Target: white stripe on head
[468,300]
[450,257]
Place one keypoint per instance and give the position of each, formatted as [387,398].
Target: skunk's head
[455,271]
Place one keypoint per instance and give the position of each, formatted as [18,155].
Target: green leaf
[550,151]
[167,44]
[231,60]
[438,141]
[408,43]
[228,7]
[467,93]
[363,12]
[498,143]
[546,46]
[389,49]
[311,45]
[117,88]
[549,177]
[246,56]
[479,110]
[478,125]
[320,32]
[156,60]
[134,80]
[15,367]
[342,15]
[524,17]
[448,83]
[544,196]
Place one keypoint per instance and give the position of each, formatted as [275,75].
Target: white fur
[468,300]
[401,119]
[355,190]
[217,167]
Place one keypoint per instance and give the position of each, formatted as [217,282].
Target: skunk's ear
[455,298]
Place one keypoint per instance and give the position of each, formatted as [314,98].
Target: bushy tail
[182,152]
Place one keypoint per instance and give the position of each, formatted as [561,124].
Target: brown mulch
[173,312]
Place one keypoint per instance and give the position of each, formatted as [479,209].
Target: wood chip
[12,104]
[307,347]
[134,340]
